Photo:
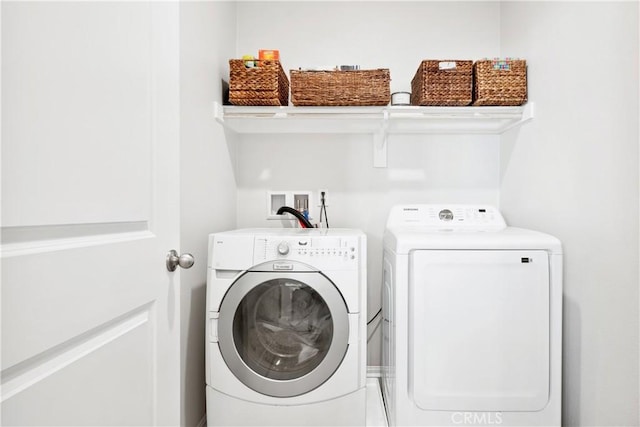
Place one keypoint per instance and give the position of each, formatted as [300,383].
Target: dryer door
[283,334]
[479,330]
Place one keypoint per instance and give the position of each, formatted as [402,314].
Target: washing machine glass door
[283,333]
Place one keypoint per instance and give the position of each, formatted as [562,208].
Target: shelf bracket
[380,143]
[528,112]
[218,112]
[527,115]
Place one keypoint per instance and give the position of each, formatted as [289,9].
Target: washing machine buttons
[343,254]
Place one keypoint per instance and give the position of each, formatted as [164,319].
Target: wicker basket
[266,84]
[337,88]
[442,82]
[500,82]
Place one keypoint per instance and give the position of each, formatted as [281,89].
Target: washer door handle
[173,260]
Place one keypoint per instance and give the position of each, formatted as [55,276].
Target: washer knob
[445,215]
[283,248]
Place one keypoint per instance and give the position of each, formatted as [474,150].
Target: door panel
[77,77]
[54,296]
[72,372]
[479,330]
[90,143]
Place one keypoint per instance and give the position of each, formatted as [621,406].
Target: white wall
[422,169]
[208,195]
[573,172]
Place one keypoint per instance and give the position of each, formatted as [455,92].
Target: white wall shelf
[376,121]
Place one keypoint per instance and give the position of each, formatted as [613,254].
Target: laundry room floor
[376,416]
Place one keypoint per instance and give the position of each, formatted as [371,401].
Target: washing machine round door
[283,334]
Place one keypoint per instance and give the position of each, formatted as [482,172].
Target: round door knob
[184,261]
[283,248]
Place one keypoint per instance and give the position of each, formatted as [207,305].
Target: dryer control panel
[449,217]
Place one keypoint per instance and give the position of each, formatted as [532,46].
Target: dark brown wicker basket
[340,88]
[442,82]
[500,82]
[266,84]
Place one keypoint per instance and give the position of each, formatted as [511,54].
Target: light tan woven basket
[266,84]
[340,88]
[442,82]
[500,82]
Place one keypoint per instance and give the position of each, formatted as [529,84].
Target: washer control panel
[449,217]
[325,251]
[339,252]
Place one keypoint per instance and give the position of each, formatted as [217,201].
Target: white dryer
[472,319]
[286,327]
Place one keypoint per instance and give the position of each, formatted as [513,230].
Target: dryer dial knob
[283,248]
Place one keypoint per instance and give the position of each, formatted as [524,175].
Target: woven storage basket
[442,82]
[266,84]
[500,82]
[339,88]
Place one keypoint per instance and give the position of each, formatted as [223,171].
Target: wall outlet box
[299,200]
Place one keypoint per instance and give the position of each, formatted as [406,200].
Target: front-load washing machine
[286,327]
[472,319]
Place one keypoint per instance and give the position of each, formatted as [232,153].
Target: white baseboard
[374,371]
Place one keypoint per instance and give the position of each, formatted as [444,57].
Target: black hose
[304,221]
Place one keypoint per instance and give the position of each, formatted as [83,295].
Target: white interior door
[90,140]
